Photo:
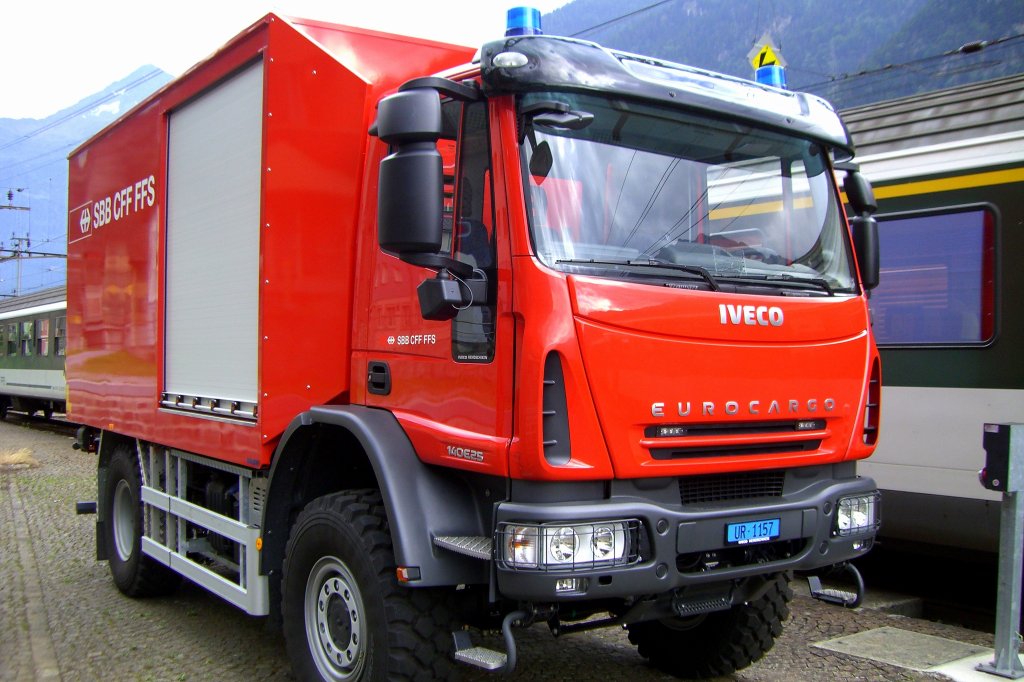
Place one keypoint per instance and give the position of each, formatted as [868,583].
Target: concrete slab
[966,669]
[902,648]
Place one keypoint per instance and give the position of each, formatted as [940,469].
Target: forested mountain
[851,53]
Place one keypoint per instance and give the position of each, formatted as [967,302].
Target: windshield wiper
[818,282]
[690,269]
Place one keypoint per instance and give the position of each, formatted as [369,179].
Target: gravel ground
[61,618]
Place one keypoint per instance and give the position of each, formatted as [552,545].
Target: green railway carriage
[948,172]
[33,331]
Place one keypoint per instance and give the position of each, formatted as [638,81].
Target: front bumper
[684,545]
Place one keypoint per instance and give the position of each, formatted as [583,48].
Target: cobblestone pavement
[61,618]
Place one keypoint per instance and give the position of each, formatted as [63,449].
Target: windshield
[619,187]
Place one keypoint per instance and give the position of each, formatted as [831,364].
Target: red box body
[320,85]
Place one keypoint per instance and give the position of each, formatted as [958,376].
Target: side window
[3,340]
[27,338]
[473,329]
[12,339]
[937,278]
[447,146]
[43,337]
[60,335]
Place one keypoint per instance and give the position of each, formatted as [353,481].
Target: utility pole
[19,248]
[18,251]
[10,201]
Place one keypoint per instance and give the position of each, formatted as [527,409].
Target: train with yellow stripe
[948,173]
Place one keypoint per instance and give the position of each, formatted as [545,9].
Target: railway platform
[61,617]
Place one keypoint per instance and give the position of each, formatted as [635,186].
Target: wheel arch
[332,448]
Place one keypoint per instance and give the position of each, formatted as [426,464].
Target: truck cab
[638,328]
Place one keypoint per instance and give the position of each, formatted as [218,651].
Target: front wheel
[345,616]
[719,643]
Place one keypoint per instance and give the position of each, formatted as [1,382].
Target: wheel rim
[124,520]
[335,622]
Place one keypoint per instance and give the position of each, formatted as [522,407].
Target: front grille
[736,450]
[733,486]
[734,428]
[738,557]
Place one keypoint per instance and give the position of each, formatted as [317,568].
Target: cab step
[488,659]
[477,656]
[843,598]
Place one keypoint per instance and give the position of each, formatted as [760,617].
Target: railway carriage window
[60,336]
[12,339]
[3,341]
[27,338]
[43,337]
[936,278]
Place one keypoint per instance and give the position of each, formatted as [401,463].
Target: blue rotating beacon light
[523,21]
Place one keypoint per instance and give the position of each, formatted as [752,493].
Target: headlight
[857,514]
[562,545]
[521,546]
[603,542]
[579,545]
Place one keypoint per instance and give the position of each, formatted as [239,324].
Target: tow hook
[489,659]
[844,598]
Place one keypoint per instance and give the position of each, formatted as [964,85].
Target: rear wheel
[719,643]
[134,573]
[345,616]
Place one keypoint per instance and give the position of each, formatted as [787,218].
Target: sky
[54,54]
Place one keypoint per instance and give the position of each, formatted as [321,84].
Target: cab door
[449,383]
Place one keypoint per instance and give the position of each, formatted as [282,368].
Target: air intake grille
[735,486]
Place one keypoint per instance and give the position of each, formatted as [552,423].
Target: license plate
[752,531]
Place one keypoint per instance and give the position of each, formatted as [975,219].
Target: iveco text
[752,315]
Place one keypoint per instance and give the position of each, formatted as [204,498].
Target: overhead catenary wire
[968,48]
[620,18]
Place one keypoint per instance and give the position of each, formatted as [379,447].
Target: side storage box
[212,236]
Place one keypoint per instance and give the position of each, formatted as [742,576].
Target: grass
[17,459]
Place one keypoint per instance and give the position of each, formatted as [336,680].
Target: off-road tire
[719,643]
[339,582]
[134,573]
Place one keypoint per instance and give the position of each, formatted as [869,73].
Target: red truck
[394,343]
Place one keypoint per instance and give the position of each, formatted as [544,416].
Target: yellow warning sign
[766,57]
[765,52]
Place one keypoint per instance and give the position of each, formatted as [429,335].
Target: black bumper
[685,545]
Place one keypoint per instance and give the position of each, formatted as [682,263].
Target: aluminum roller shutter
[213,214]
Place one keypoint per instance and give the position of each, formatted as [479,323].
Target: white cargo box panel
[212,270]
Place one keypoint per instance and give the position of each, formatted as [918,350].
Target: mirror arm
[445,87]
[438,262]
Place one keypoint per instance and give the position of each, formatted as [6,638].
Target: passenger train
[948,173]
[33,331]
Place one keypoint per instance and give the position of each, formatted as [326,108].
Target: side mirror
[859,193]
[410,203]
[865,243]
[410,195]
